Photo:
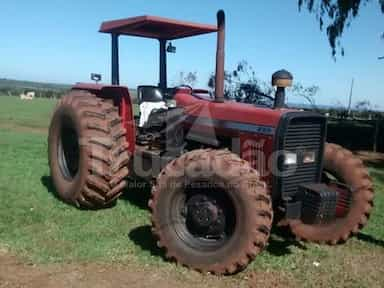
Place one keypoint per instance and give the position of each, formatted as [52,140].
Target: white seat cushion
[146,108]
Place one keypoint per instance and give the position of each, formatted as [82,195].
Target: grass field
[35,225]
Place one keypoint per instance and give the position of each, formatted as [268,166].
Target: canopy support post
[163,64]
[115,59]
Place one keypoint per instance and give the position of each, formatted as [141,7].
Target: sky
[57,41]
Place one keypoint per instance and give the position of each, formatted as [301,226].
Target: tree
[308,93]
[363,105]
[189,78]
[242,85]
[336,15]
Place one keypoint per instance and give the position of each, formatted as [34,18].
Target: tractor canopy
[164,29]
[156,27]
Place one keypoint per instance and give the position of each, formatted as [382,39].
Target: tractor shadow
[370,239]
[142,237]
[377,165]
[286,240]
[281,241]
[48,184]
[137,193]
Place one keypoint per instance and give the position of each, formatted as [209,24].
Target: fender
[121,98]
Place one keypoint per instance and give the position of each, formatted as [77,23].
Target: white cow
[27,96]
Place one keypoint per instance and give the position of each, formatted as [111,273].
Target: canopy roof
[156,27]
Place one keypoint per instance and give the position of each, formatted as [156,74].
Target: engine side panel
[247,130]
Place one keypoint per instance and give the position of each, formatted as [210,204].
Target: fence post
[376,136]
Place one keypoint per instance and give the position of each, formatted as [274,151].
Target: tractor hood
[235,114]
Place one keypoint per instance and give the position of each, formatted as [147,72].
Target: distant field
[36,225]
[24,115]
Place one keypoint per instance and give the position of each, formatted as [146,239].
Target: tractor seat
[149,94]
[150,98]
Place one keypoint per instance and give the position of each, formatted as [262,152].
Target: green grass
[39,227]
[24,115]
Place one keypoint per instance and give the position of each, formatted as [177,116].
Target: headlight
[309,157]
[290,158]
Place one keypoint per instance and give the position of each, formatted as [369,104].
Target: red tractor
[222,171]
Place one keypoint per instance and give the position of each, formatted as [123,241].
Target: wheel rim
[204,216]
[68,150]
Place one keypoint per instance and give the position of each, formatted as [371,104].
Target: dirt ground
[16,273]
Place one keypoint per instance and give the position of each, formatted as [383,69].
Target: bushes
[357,134]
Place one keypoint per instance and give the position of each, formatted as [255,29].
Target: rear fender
[121,98]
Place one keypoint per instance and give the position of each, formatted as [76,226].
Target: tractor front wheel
[355,196]
[211,212]
[88,154]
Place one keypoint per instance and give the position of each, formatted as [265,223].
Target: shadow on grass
[281,241]
[142,237]
[137,193]
[376,165]
[48,183]
[371,240]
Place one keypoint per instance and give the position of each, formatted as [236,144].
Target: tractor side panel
[121,98]
[247,130]
[255,147]
[258,150]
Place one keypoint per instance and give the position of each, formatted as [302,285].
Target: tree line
[39,93]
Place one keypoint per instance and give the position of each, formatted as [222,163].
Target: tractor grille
[299,134]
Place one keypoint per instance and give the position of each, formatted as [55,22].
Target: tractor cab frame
[155,156]
[163,30]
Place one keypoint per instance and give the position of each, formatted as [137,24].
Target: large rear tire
[348,169]
[198,192]
[88,155]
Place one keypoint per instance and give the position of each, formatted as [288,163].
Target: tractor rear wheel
[88,154]
[210,211]
[356,188]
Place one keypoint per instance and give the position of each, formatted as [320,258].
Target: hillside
[20,84]
[12,87]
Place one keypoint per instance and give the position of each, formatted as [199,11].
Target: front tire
[198,192]
[88,154]
[349,170]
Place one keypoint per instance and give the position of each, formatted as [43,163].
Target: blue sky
[57,41]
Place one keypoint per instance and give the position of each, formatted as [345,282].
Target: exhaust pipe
[220,54]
